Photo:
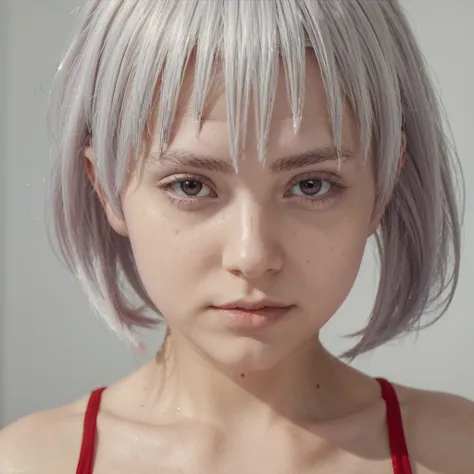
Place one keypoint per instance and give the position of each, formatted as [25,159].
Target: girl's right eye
[186,189]
[191,188]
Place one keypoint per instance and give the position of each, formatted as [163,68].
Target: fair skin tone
[225,399]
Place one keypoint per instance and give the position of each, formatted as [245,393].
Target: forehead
[315,127]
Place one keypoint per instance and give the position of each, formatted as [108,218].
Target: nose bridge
[252,248]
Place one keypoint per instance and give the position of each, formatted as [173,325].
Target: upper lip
[254,304]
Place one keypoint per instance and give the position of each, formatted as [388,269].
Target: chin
[246,355]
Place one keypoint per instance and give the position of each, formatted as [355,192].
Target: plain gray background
[51,347]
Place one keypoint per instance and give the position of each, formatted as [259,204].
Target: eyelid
[179,177]
[334,178]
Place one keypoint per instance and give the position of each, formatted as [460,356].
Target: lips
[252,315]
[265,310]
[254,305]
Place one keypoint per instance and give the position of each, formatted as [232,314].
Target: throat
[311,386]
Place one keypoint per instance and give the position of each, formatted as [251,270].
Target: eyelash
[337,187]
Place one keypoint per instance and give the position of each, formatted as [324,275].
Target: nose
[252,247]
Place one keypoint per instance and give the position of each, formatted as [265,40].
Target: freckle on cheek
[176,231]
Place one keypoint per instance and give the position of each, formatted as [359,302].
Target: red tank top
[396,436]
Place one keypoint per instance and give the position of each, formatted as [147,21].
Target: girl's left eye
[316,189]
[311,188]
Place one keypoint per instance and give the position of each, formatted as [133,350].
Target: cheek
[329,260]
[329,257]
[168,253]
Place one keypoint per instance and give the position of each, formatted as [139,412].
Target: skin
[220,400]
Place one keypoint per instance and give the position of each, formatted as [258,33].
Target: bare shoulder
[43,442]
[440,431]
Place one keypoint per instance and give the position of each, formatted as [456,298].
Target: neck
[308,385]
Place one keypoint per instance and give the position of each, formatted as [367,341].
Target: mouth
[251,315]
[254,305]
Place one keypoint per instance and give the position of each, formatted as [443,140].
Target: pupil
[191,187]
[311,186]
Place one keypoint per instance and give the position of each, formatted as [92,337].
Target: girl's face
[292,231]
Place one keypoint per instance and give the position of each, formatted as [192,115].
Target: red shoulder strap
[86,457]
[398,445]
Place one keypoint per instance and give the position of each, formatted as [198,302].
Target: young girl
[220,166]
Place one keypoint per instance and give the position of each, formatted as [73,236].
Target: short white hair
[105,93]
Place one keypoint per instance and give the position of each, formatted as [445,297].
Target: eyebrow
[288,163]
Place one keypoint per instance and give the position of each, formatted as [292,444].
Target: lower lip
[252,319]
